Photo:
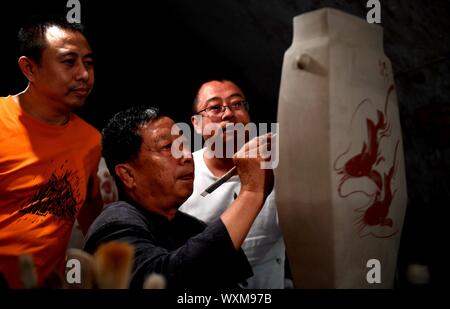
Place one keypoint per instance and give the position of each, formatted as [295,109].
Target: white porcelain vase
[340,183]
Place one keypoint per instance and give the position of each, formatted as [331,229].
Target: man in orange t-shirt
[48,155]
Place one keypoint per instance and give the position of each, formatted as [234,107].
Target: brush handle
[223,179]
[219,182]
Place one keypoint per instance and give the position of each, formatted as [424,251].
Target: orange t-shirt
[44,173]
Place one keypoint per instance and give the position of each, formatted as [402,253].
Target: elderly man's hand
[248,161]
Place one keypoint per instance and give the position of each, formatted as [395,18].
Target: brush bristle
[155,281]
[28,274]
[114,262]
[89,272]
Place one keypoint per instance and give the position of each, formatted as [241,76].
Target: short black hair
[220,79]
[31,36]
[121,139]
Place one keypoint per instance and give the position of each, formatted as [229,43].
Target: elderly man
[137,146]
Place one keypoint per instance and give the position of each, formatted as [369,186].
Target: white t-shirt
[264,245]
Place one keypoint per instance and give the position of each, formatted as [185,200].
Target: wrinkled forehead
[159,130]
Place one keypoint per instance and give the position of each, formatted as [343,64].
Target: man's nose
[186,155]
[227,113]
[82,72]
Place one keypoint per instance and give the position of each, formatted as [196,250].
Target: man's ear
[197,123]
[28,67]
[126,175]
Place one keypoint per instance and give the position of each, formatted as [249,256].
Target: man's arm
[92,206]
[256,184]
[208,259]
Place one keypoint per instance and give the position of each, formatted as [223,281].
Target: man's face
[65,75]
[157,173]
[222,93]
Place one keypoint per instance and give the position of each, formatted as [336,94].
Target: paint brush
[223,179]
[219,182]
[114,263]
[88,278]
[28,274]
[155,281]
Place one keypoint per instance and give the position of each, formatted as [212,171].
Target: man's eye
[237,105]
[168,146]
[215,108]
[69,61]
[89,63]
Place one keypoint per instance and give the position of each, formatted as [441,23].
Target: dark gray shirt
[186,251]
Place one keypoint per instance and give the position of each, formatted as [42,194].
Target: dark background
[159,52]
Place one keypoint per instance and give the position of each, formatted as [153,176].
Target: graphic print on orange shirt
[58,196]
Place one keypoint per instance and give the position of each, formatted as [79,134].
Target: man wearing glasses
[223,103]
